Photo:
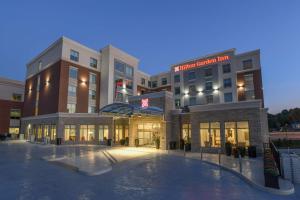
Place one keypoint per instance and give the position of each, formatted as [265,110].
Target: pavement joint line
[108,157]
[112,157]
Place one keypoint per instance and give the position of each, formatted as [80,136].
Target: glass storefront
[210,134]
[70,133]
[103,132]
[87,132]
[186,132]
[237,133]
[148,133]
[118,133]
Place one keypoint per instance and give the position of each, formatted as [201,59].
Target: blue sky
[161,33]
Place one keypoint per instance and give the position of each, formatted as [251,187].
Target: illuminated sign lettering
[145,103]
[200,63]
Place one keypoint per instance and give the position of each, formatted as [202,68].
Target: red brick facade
[6,106]
[53,93]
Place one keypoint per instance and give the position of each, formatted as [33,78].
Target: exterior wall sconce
[216,90]
[83,82]
[47,82]
[240,87]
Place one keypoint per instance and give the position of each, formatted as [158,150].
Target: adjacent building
[11,103]
[81,95]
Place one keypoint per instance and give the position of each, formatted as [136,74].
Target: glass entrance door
[148,133]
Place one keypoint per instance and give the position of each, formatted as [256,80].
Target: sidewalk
[252,170]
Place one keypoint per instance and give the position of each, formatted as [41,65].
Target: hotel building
[81,95]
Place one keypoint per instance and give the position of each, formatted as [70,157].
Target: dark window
[93,62]
[226,68]
[15,114]
[177,90]
[72,90]
[228,97]
[92,94]
[192,101]
[227,83]
[247,64]
[209,99]
[119,66]
[129,84]
[192,75]
[73,72]
[17,97]
[164,81]
[149,84]
[177,103]
[177,78]
[154,84]
[192,89]
[143,81]
[74,55]
[129,71]
[208,85]
[208,72]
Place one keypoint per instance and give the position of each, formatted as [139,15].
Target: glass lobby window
[204,135]
[74,55]
[228,97]
[73,73]
[93,78]
[191,75]
[93,62]
[13,130]
[126,129]
[226,68]
[17,97]
[177,78]
[92,94]
[164,81]
[53,132]
[227,83]
[46,130]
[186,132]
[83,132]
[39,132]
[215,134]
[103,132]
[15,113]
[118,133]
[70,133]
[91,133]
[243,133]
[247,64]
[230,131]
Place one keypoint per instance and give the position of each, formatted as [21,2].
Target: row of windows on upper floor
[73,74]
[74,56]
[154,84]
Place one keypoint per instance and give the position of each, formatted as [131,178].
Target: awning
[129,110]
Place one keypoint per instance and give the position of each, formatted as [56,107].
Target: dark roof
[128,109]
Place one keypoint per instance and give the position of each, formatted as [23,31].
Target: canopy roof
[128,109]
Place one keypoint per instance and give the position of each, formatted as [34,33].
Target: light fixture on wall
[216,89]
[83,82]
[47,82]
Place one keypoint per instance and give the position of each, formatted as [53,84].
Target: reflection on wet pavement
[25,175]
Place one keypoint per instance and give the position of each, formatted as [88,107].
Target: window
[74,55]
[164,81]
[186,132]
[193,101]
[249,87]
[71,108]
[40,65]
[91,133]
[93,78]
[191,75]
[204,135]
[70,133]
[247,64]
[192,89]
[249,95]
[208,72]
[143,81]
[227,83]
[13,130]
[226,68]
[228,97]
[17,97]
[209,99]
[83,132]
[177,78]
[103,132]
[230,130]
[72,90]
[119,66]
[92,109]
[149,84]
[237,133]
[215,134]
[177,90]
[93,62]
[15,113]
[52,132]
[208,85]
[73,72]
[177,103]
[92,94]
[129,71]
[154,84]
[129,84]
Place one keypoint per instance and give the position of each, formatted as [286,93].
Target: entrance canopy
[129,110]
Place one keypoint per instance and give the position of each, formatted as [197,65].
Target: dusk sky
[161,33]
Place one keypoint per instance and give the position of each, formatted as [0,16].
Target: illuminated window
[53,132]
[91,132]
[118,133]
[74,55]
[15,113]
[93,62]
[14,130]
[243,133]
[177,78]
[83,132]
[247,64]
[226,68]
[70,133]
[71,107]
[17,97]
[186,132]
[103,132]
[204,135]
[210,134]
[230,132]
[46,131]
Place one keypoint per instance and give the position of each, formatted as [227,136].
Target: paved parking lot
[24,174]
